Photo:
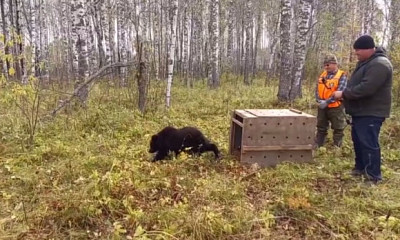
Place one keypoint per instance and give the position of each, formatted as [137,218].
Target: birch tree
[231,27]
[273,21]
[249,38]
[65,18]
[285,71]
[79,38]
[142,21]
[11,43]
[222,36]
[34,36]
[214,44]
[260,25]
[105,21]
[185,43]
[367,15]
[18,43]
[122,40]
[300,48]
[173,8]
[5,37]
[394,13]
[43,51]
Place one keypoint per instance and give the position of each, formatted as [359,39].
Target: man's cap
[364,42]
[330,58]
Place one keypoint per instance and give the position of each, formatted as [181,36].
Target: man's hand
[337,95]
[322,104]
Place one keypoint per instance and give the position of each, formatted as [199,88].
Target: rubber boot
[320,139]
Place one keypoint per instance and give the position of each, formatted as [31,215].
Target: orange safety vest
[326,87]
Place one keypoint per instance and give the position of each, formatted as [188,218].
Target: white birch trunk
[214,44]
[203,62]
[91,43]
[284,78]
[367,15]
[196,45]
[185,44]
[231,27]
[65,31]
[303,17]
[79,39]
[19,45]
[394,24]
[249,39]
[34,39]
[260,24]
[43,42]
[173,9]
[105,24]
[193,40]
[154,16]
[122,41]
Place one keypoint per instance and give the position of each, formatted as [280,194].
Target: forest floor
[87,174]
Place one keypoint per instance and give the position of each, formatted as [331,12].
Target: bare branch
[87,82]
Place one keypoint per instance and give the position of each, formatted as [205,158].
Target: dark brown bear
[188,139]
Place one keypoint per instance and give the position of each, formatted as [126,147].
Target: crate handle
[295,111]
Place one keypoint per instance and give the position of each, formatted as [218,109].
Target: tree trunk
[260,24]
[122,44]
[5,38]
[367,14]
[66,32]
[272,51]
[214,44]
[185,44]
[173,9]
[35,30]
[142,78]
[394,24]
[231,26]
[300,49]
[105,23]
[21,73]
[249,39]
[284,78]
[43,49]
[79,38]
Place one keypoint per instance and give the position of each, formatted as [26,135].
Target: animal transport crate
[270,136]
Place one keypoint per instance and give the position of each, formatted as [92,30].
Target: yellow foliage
[11,71]
[7,57]
[298,202]
[10,43]
[2,79]
[19,90]
[32,79]
[183,156]
[389,222]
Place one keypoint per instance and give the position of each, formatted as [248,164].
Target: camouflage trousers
[334,117]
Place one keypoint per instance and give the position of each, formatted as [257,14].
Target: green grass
[88,175]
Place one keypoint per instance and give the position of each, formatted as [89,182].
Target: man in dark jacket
[367,98]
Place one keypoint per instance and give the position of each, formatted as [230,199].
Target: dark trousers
[365,135]
[334,116]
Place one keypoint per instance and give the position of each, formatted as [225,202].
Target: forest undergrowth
[86,174]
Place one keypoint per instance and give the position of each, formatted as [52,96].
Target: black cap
[364,42]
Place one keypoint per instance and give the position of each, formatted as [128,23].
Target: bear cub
[187,139]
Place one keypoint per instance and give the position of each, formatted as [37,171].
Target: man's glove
[322,104]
